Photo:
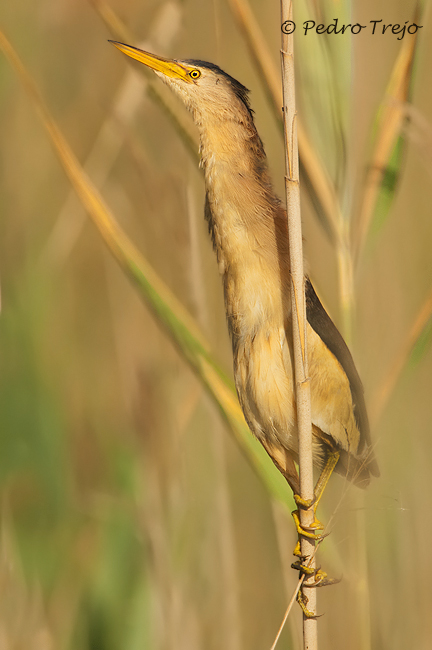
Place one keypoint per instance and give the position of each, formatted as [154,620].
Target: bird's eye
[195,74]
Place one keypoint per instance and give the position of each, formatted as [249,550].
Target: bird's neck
[247,223]
[235,165]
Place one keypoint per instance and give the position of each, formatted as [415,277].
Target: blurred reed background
[130,518]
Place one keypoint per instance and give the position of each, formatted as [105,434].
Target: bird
[248,226]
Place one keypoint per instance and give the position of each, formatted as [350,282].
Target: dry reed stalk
[288,611]
[298,306]
[166,308]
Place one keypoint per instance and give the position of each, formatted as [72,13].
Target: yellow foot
[304,503]
[307,504]
[303,568]
[303,601]
[320,577]
[308,532]
[323,581]
[297,550]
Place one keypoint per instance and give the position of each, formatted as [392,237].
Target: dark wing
[323,325]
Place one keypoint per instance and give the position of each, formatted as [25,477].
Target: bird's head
[206,90]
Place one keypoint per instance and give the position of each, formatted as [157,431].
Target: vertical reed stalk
[302,386]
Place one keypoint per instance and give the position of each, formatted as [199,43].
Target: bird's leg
[306,504]
[321,580]
[291,475]
[331,462]
[303,600]
[320,576]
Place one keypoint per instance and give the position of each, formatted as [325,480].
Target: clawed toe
[326,582]
[303,601]
[312,577]
[320,577]
[303,568]
[305,504]
[308,531]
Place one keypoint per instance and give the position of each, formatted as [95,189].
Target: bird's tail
[357,469]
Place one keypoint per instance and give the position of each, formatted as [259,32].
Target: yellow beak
[168,67]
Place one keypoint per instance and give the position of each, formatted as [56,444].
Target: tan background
[129,517]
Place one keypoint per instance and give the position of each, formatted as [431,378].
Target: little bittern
[248,226]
